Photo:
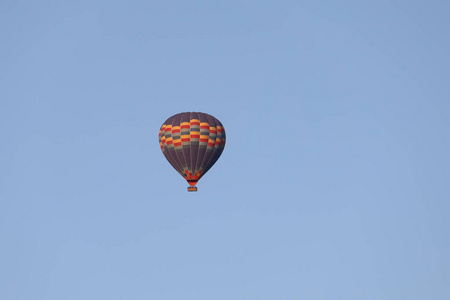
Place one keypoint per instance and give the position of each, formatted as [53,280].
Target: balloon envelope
[192,142]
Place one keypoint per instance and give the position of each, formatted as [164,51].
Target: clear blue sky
[334,183]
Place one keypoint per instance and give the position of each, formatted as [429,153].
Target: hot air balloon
[192,142]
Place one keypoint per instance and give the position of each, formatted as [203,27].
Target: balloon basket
[192,188]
